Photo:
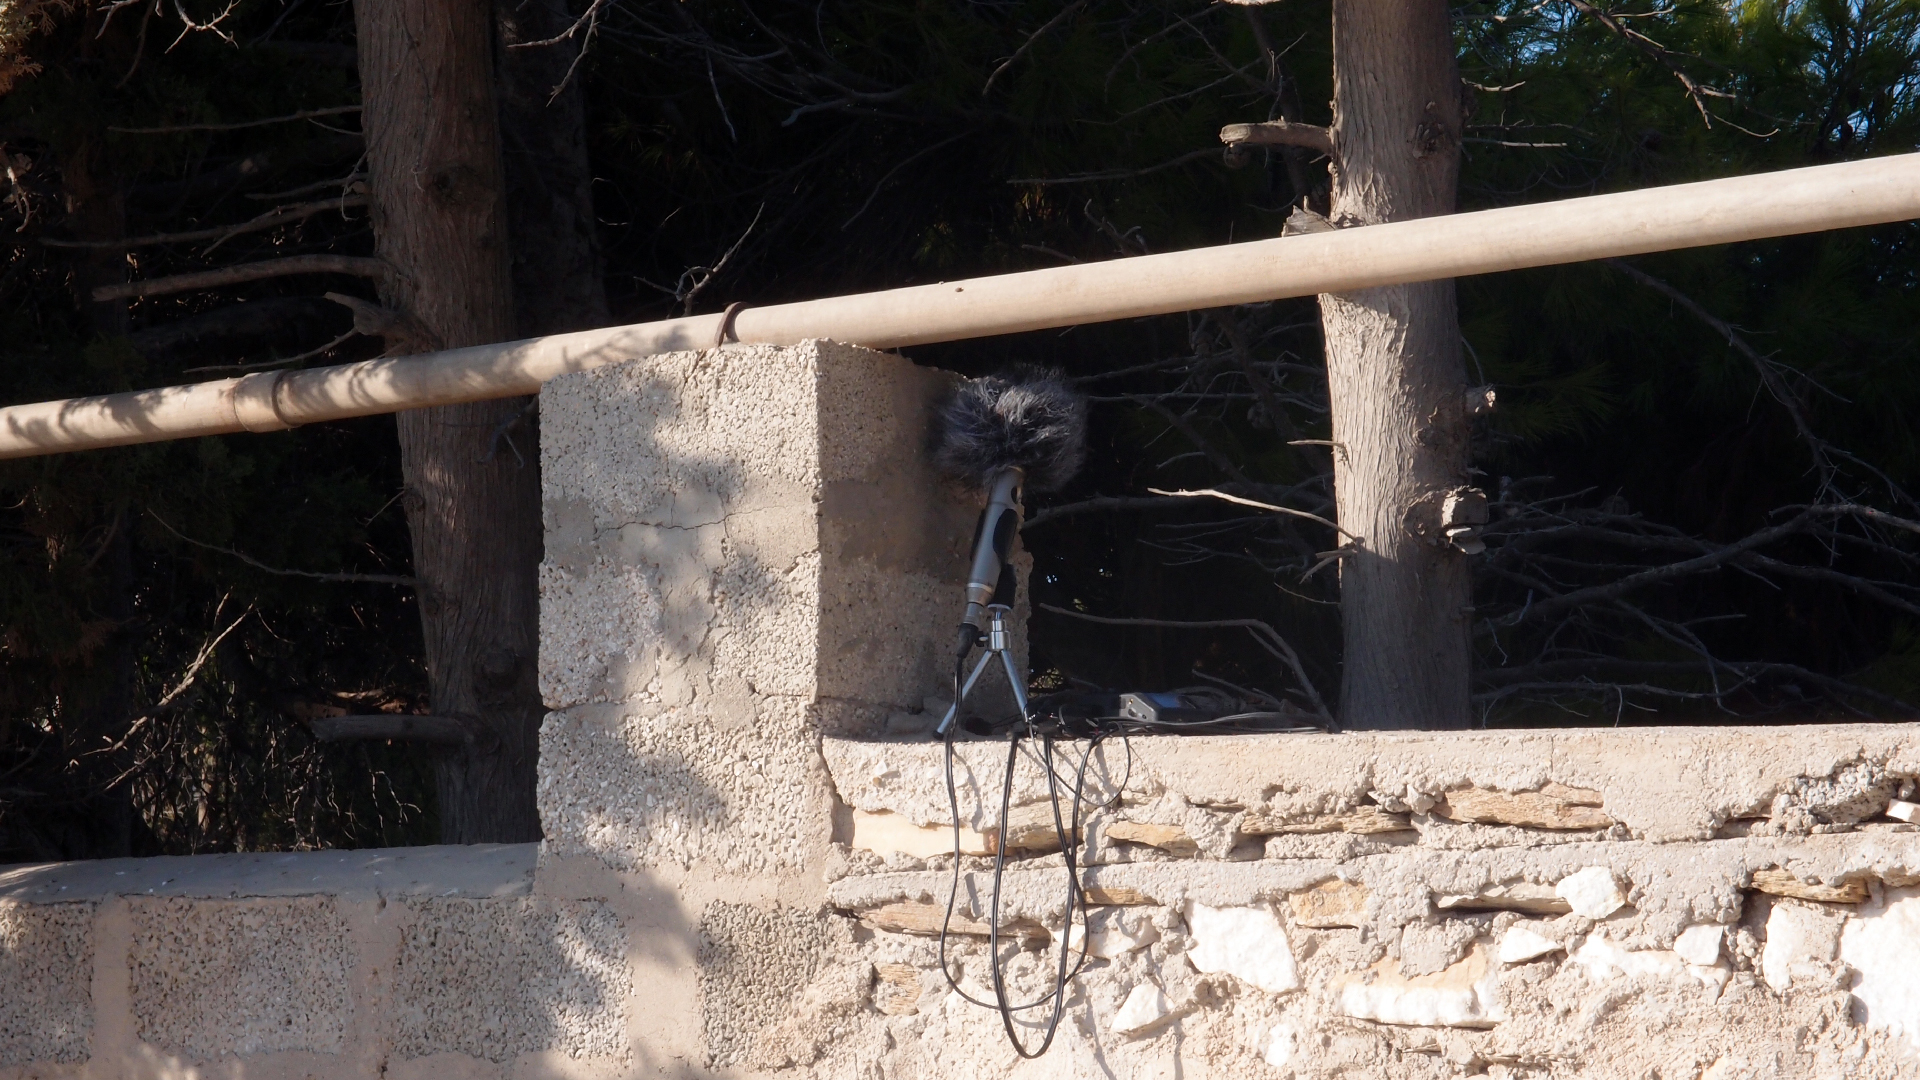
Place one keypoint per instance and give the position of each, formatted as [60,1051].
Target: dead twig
[372,579]
[353,265]
[176,129]
[1210,493]
[221,233]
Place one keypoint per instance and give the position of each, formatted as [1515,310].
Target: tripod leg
[953,711]
[1013,680]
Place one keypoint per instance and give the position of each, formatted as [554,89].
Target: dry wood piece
[1531,809]
[1782,882]
[1330,904]
[907,917]
[897,988]
[1278,133]
[1030,828]
[1116,896]
[1364,820]
[1169,838]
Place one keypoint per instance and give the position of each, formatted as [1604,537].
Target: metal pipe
[1869,192]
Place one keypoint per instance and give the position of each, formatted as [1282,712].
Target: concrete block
[745,548]
[766,512]
[496,979]
[46,982]
[211,978]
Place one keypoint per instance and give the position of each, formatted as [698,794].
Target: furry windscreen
[1027,416]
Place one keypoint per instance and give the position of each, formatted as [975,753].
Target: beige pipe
[1573,230]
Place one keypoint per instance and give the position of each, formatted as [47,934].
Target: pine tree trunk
[1394,369]
[434,170]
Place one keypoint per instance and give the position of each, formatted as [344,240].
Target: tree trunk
[1394,370]
[434,169]
[557,284]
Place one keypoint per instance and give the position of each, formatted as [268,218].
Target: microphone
[1025,428]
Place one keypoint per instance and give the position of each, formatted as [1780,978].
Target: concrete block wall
[750,578]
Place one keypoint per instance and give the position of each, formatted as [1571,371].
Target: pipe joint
[256,402]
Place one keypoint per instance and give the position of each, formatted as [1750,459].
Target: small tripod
[999,642]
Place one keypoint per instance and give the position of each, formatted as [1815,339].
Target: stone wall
[750,578]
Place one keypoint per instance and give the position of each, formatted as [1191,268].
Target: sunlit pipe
[1837,196]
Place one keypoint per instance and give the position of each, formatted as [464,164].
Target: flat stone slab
[469,871]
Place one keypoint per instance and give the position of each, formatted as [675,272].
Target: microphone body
[992,544]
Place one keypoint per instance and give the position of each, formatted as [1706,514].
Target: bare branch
[373,579]
[175,129]
[1115,174]
[1026,45]
[437,730]
[357,266]
[401,330]
[1665,57]
[1698,564]
[1264,634]
[286,361]
[1279,133]
[1210,493]
[271,219]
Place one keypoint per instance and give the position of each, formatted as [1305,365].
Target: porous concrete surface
[532,975]
[46,974]
[212,978]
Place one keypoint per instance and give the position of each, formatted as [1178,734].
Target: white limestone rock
[1283,1042]
[1465,995]
[1115,934]
[1520,944]
[1246,942]
[1592,893]
[1901,810]
[1145,1006]
[1605,959]
[1882,945]
[1796,934]
[1700,945]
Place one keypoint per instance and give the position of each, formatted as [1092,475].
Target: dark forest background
[173,616]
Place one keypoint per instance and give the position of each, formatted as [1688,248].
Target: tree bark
[557,284]
[434,169]
[1395,375]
